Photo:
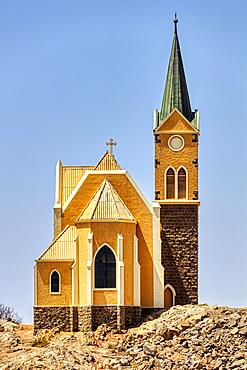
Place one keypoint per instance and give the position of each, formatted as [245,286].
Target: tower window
[181,183]
[170,184]
[55,282]
[105,268]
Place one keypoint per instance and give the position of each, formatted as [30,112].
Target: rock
[149,349]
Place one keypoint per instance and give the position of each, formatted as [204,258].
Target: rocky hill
[184,337]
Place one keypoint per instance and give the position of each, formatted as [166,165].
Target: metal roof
[70,177]
[63,247]
[176,92]
[106,204]
[107,162]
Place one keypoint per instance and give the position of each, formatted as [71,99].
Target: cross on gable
[110,144]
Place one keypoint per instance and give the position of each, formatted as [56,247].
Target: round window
[176,143]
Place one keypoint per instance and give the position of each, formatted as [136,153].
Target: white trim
[169,143]
[73,283]
[115,172]
[35,285]
[173,293]
[94,257]
[179,201]
[187,182]
[58,182]
[60,282]
[158,269]
[137,274]
[89,268]
[120,270]
[84,177]
[148,205]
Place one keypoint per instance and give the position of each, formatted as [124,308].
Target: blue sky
[73,74]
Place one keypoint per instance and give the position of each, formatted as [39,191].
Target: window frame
[186,182]
[94,269]
[176,184]
[60,282]
[168,168]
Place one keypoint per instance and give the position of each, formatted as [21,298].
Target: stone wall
[105,315]
[132,315]
[50,317]
[85,318]
[179,237]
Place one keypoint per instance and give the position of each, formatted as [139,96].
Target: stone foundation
[180,250]
[85,318]
[62,318]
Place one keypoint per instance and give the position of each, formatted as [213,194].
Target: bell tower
[176,137]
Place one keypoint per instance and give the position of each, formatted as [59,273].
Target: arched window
[181,183]
[105,268]
[55,282]
[170,184]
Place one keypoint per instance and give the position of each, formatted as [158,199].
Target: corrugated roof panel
[106,205]
[107,163]
[71,175]
[63,247]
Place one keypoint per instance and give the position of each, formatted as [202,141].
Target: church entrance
[169,297]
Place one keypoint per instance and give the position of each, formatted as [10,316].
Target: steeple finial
[175,20]
[176,92]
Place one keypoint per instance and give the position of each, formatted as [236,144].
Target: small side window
[55,282]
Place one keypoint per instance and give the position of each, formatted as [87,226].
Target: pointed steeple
[176,92]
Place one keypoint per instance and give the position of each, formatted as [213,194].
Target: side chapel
[115,256]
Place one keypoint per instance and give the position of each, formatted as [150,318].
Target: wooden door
[168,298]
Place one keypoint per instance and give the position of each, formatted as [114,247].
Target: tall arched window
[181,183]
[105,268]
[55,282]
[170,184]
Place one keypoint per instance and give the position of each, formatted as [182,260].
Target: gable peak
[107,163]
[106,204]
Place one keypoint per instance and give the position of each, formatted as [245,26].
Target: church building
[115,256]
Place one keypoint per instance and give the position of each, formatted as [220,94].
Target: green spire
[176,93]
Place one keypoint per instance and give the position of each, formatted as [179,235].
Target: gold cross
[110,143]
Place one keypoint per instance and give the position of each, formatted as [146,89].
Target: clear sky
[73,74]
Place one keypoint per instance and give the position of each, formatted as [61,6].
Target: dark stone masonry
[180,250]
[85,318]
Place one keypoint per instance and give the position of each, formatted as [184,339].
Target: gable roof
[63,247]
[176,122]
[106,204]
[107,162]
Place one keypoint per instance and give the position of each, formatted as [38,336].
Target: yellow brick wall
[138,209]
[44,297]
[167,157]
[105,297]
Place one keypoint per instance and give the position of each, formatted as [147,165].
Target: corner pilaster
[158,269]
[120,270]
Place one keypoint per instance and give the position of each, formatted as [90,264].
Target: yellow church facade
[115,256]
[103,219]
